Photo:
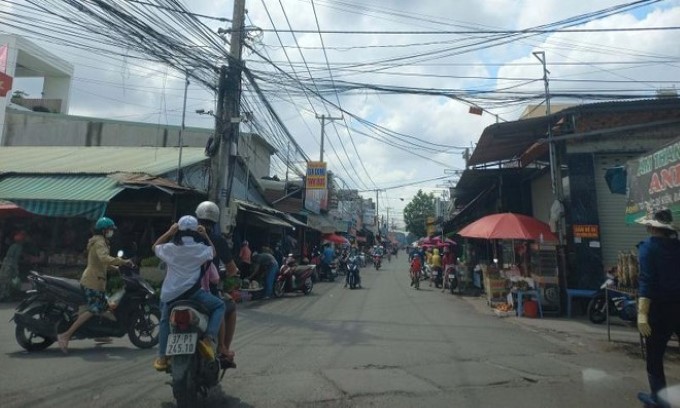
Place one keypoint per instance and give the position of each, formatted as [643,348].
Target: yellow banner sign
[316,176]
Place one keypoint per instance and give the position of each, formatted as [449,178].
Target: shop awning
[263,219]
[60,195]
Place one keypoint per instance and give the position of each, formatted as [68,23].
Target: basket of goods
[503,310]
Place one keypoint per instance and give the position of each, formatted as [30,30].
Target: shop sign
[315,200]
[316,176]
[654,182]
[5,84]
[586,231]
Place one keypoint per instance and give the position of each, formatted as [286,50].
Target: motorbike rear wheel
[596,312]
[184,386]
[26,338]
[144,327]
[279,288]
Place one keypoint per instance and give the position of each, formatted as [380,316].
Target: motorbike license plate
[181,343]
[452,276]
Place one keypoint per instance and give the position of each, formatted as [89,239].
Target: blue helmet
[104,223]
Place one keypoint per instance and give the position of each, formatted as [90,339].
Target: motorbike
[353,279]
[451,277]
[194,368]
[294,279]
[342,265]
[426,272]
[327,272]
[377,261]
[52,306]
[620,304]
[362,260]
[437,277]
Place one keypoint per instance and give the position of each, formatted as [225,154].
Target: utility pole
[180,174]
[228,116]
[323,133]
[285,188]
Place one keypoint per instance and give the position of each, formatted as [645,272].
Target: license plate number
[181,343]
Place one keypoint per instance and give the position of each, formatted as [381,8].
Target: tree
[417,211]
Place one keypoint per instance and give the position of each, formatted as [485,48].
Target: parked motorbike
[52,306]
[294,279]
[452,278]
[377,261]
[193,366]
[353,279]
[620,304]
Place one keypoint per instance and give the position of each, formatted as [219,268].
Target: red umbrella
[336,239]
[508,226]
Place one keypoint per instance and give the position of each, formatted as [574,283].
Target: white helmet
[207,210]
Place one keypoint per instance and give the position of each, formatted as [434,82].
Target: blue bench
[582,293]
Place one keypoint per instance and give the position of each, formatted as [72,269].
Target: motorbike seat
[189,303]
[64,283]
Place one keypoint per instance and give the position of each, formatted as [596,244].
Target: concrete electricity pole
[323,132]
[228,117]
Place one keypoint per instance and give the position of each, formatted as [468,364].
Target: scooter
[52,306]
[437,277]
[620,304]
[452,278]
[353,279]
[193,366]
[377,261]
[294,279]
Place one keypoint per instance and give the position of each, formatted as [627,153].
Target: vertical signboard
[316,184]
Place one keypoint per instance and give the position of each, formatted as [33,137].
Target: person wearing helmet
[208,215]
[93,280]
[182,248]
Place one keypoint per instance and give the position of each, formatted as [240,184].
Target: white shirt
[184,266]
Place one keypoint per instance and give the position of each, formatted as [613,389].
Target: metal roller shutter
[615,234]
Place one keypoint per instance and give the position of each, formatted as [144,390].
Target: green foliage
[417,211]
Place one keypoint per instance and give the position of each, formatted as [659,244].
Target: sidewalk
[579,334]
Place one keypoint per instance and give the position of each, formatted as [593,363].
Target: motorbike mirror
[120,253]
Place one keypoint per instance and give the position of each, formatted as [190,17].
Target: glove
[643,317]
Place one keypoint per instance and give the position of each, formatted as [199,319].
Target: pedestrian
[9,271]
[264,263]
[93,280]
[244,256]
[659,297]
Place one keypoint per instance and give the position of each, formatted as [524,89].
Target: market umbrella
[336,239]
[508,226]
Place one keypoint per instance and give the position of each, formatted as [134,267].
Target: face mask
[109,234]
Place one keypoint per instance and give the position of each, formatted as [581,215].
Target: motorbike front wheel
[145,326]
[26,338]
[279,288]
[596,309]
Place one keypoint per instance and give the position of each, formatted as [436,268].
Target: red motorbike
[294,279]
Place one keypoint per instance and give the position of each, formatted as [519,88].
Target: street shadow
[96,353]
[216,398]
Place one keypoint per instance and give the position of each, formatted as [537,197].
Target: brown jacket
[98,261]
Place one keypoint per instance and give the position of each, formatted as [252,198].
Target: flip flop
[63,343]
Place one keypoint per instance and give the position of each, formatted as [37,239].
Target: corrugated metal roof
[59,188]
[95,160]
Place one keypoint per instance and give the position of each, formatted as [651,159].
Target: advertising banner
[316,176]
[654,182]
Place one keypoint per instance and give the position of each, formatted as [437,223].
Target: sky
[133,89]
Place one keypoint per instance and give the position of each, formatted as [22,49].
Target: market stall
[523,264]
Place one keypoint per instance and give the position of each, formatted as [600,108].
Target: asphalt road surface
[386,345]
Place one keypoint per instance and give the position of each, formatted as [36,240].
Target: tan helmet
[207,210]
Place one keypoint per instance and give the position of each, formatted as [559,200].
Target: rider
[327,259]
[181,248]
[353,259]
[93,280]
[436,262]
[208,214]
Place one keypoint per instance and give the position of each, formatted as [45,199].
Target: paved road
[386,345]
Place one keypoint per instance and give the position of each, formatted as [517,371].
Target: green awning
[60,195]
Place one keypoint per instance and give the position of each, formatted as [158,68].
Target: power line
[505,32]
